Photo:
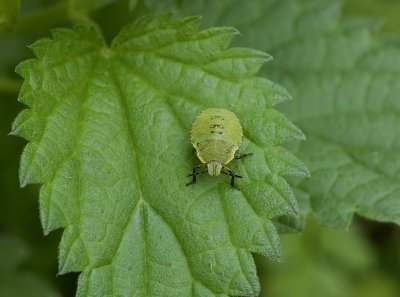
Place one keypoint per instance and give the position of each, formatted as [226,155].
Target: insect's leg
[193,174]
[243,156]
[233,175]
[230,173]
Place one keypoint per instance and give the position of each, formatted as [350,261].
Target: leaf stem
[82,18]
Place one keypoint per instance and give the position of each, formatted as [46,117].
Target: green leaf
[352,84]
[15,281]
[9,10]
[108,139]
[346,85]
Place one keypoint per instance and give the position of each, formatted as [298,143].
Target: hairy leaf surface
[108,139]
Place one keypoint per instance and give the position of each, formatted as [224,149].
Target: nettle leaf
[347,85]
[108,139]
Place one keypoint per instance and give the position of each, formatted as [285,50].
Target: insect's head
[214,167]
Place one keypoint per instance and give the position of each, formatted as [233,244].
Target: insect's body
[216,135]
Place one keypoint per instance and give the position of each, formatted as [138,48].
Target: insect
[216,135]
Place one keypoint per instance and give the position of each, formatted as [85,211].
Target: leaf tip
[298,134]
[277,93]
[25,178]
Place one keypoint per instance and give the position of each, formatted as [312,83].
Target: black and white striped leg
[232,175]
[194,173]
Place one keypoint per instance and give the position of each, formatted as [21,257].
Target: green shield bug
[216,135]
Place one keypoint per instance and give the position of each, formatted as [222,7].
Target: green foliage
[385,10]
[160,6]
[346,86]
[108,138]
[13,280]
[324,262]
[352,137]
[87,5]
[9,10]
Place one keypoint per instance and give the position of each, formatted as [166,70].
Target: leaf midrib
[142,200]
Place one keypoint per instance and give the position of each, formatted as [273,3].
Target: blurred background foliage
[386,10]
[365,261]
